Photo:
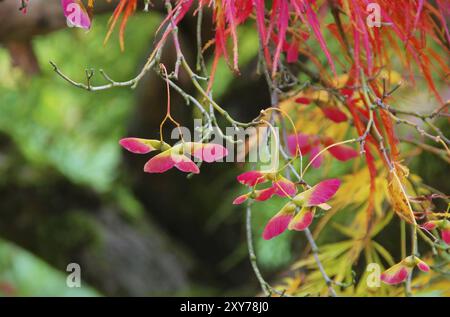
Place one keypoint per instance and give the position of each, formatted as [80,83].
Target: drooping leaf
[399,199]
[334,114]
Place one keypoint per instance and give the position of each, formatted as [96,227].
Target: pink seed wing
[160,163]
[137,145]
[445,233]
[276,226]
[185,164]
[302,220]
[208,152]
[251,178]
[316,160]
[240,199]
[343,152]
[430,225]
[396,274]
[279,223]
[423,266]
[284,187]
[300,140]
[323,192]
[264,194]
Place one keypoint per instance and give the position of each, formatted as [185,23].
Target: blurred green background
[59,159]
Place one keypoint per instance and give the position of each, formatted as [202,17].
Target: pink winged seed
[300,140]
[343,152]
[302,220]
[185,164]
[264,194]
[430,225]
[136,145]
[209,152]
[284,187]
[277,225]
[396,274]
[240,199]
[167,160]
[160,163]
[323,191]
[251,178]
[445,233]
[423,266]
[316,158]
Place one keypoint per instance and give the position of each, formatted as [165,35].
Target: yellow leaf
[341,81]
[392,77]
[397,194]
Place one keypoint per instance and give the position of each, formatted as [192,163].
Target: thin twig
[175,37]
[251,252]
[414,252]
[200,65]
[437,151]
[440,137]
[266,288]
[315,252]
